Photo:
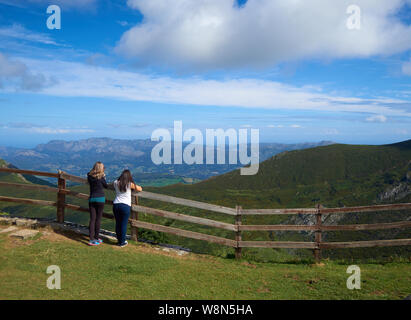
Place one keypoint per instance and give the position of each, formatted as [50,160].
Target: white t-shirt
[122,197]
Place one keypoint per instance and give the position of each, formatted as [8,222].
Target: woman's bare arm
[136,187]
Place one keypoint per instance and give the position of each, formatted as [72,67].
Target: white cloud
[295,126]
[209,34]
[377,118]
[48,130]
[15,74]
[19,32]
[42,129]
[82,80]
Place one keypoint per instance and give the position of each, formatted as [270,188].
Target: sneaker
[123,244]
[93,243]
[99,241]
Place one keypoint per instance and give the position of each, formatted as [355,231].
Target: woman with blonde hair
[97,181]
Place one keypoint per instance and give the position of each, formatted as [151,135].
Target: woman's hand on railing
[136,187]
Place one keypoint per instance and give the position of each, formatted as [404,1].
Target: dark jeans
[121,213]
[96,211]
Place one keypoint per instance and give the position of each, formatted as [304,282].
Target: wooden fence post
[134,216]
[238,233]
[61,198]
[318,234]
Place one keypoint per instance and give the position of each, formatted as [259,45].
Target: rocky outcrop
[398,191]
[24,234]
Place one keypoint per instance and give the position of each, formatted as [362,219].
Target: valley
[77,157]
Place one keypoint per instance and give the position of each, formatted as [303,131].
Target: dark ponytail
[124,180]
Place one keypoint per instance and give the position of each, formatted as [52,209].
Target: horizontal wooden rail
[48,189]
[75,194]
[80,195]
[28,201]
[30,172]
[376,226]
[277,227]
[277,244]
[76,207]
[348,227]
[183,233]
[81,209]
[374,208]
[186,218]
[70,177]
[278,211]
[28,186]
[187,202]
[364,244]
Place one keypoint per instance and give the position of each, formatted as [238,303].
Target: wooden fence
[317,245]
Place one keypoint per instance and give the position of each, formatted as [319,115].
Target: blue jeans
[121,213]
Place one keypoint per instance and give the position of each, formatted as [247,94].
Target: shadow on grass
[82,238]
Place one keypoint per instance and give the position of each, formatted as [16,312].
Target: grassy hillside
[20,178]
[334,175]
[17,209]
[22,210]
[141,272]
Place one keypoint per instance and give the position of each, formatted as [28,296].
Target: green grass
[141,272]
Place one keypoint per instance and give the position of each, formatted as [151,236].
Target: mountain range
[77,157]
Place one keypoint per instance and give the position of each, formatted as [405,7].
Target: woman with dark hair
[122,204]
[97,181]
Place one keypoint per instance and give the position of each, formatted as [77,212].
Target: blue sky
[121,69]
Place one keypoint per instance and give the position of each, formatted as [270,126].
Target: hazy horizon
[25,145]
